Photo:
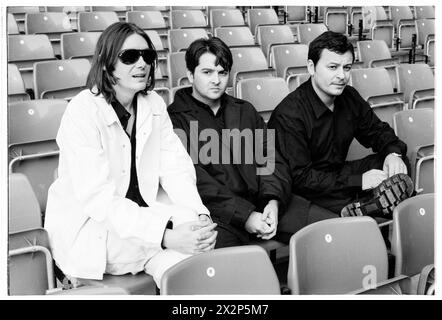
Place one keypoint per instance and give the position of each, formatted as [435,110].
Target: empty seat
[12,25]
[180,39]
[147,19]
[119,10]
[60,79]
[413,234]
[404,23]
[79,44]
[295,80]
[71,11]
[16,86]
[177,71]
[188,19]
[235,36]
[24,50]
[424,178]
[425,31]
[96,21]
[309,31]
[336,19]
[424,12]
[234,270]
[256,17]
[296,13]
[160,77]
[337,256]
[289,59]
[225,18]
[263,93]
[416,81]
[269,36]
[19,13]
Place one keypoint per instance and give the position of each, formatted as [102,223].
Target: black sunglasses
[130,56]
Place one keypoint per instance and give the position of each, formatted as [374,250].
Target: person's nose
[340,73]
[215,78]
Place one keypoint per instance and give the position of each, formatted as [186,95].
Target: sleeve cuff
[242,211]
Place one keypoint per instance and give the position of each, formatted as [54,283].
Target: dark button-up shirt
[315,140]
[133,192]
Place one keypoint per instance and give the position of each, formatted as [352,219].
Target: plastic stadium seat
[336,19]
[374,85]
[226,18]
[60,79]
[424,12]
[33,126]
[147,20]
[12,25]
[132,284]
[295,80]
[96,21]
[177,71]
[296,14]
[424,178]
[24,50]
[263,93]
[416,81]
[429,51]
[248,62]
[79,44]
[234,270]
[355,17]
[188,19]
[119,10]
[71,11]
[404,23]
[269,36]
[16,86]
[256,17]
[335,256]
[425,31]
[309,31]
[235,36]
[289,59]
[413,234]
[162,53]
[19,13]
[180,39]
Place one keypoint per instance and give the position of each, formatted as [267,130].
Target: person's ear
[310,67]
[189,76]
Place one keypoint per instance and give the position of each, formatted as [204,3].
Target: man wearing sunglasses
[245,202]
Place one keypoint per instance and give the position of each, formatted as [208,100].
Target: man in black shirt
[315,125]
[244,199]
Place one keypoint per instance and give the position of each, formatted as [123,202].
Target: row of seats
[334,256]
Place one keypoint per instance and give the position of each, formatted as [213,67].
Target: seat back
[180,39]
[336,19]
[48,23]
[79,44]
[60,79]
[369,50]
[263,93]
[413,234]
[16,86]
[424,12]
[425,27]
[260,17]
[296,13]
[246,59]
[400,13]
[336,256]
[414,77]
[415,127]
[289,59]
[295,80]
[235,36]
[371,82]
[424,179]
[96,21]
[188,19]
[146,19]
[272,35]
[12,25]
[177,70]
[234,270]
[225,18]
[309,31]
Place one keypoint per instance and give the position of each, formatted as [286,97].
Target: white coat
[88,197]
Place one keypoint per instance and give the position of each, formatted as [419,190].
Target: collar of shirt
[319,107]
[122,114]
[209,109]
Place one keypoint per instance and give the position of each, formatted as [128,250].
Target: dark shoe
[386,196]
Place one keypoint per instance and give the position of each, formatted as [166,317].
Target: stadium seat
[96,21]
[296,14]
[12,25]
[257,17]
[295,80]
[235,36]
[355,17]
[180,39]
[404,23]
[188,19]
[148,20]
[424,178]
[164,93]
[71,11]
[289,59]
[162,55]
[225,18]
[425,31]
[424,12]
[336,19]
[248,62]
[53,24]
[269,36]
[16,86]
[374,85]
[24,50]
[429,52]
[309,31]
[233,270]
[33,126]
[177,71]
[416,81]
[79,44]
[19,13]
[413,235]
[416,128]
[119,10]
[337,256]
[263,93]
[60,79]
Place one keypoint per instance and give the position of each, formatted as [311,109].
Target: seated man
[243,184]
[315,125]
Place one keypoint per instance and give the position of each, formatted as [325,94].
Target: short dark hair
[105,57]
[333,41]
[213,45]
